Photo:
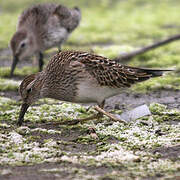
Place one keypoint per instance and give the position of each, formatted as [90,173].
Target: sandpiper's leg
[41,62]
[101,105]
[76,121]
[111,116]
[95,116]
[100,114]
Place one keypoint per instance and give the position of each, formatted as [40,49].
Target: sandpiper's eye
[23,45]
[29,90]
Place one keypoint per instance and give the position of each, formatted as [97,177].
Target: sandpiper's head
[30,92]
[22,46]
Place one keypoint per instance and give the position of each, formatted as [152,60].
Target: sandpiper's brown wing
[110,73]
[107,72]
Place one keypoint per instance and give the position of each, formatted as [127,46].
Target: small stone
[136,113]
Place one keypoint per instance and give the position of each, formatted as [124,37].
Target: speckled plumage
[82,77]
[41,27]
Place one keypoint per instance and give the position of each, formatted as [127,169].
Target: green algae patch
[168,82]
[161,113]
[165,56]
[24,71]
[111,51]
[8,110]
[57,112]
[22,152]
[4,71]
[7,84]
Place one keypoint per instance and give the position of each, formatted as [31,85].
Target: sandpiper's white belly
[91,92]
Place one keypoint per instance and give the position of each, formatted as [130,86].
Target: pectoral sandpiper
[81,77]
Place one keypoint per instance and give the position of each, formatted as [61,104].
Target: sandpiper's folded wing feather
[111,73]
[106,71]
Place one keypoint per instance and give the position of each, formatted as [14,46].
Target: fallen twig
[129,56]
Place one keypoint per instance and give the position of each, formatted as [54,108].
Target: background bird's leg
[41,62]
[59,48]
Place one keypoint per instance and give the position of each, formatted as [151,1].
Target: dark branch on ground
[128,56]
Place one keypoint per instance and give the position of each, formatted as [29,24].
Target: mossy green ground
[128,150]
[108,28]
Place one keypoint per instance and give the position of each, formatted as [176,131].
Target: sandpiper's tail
[145,73]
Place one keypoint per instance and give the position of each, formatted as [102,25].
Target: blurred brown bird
[80,77]
[42,27]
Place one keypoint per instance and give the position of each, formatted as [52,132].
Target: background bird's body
[81,77]
[47,30]
[42,27]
